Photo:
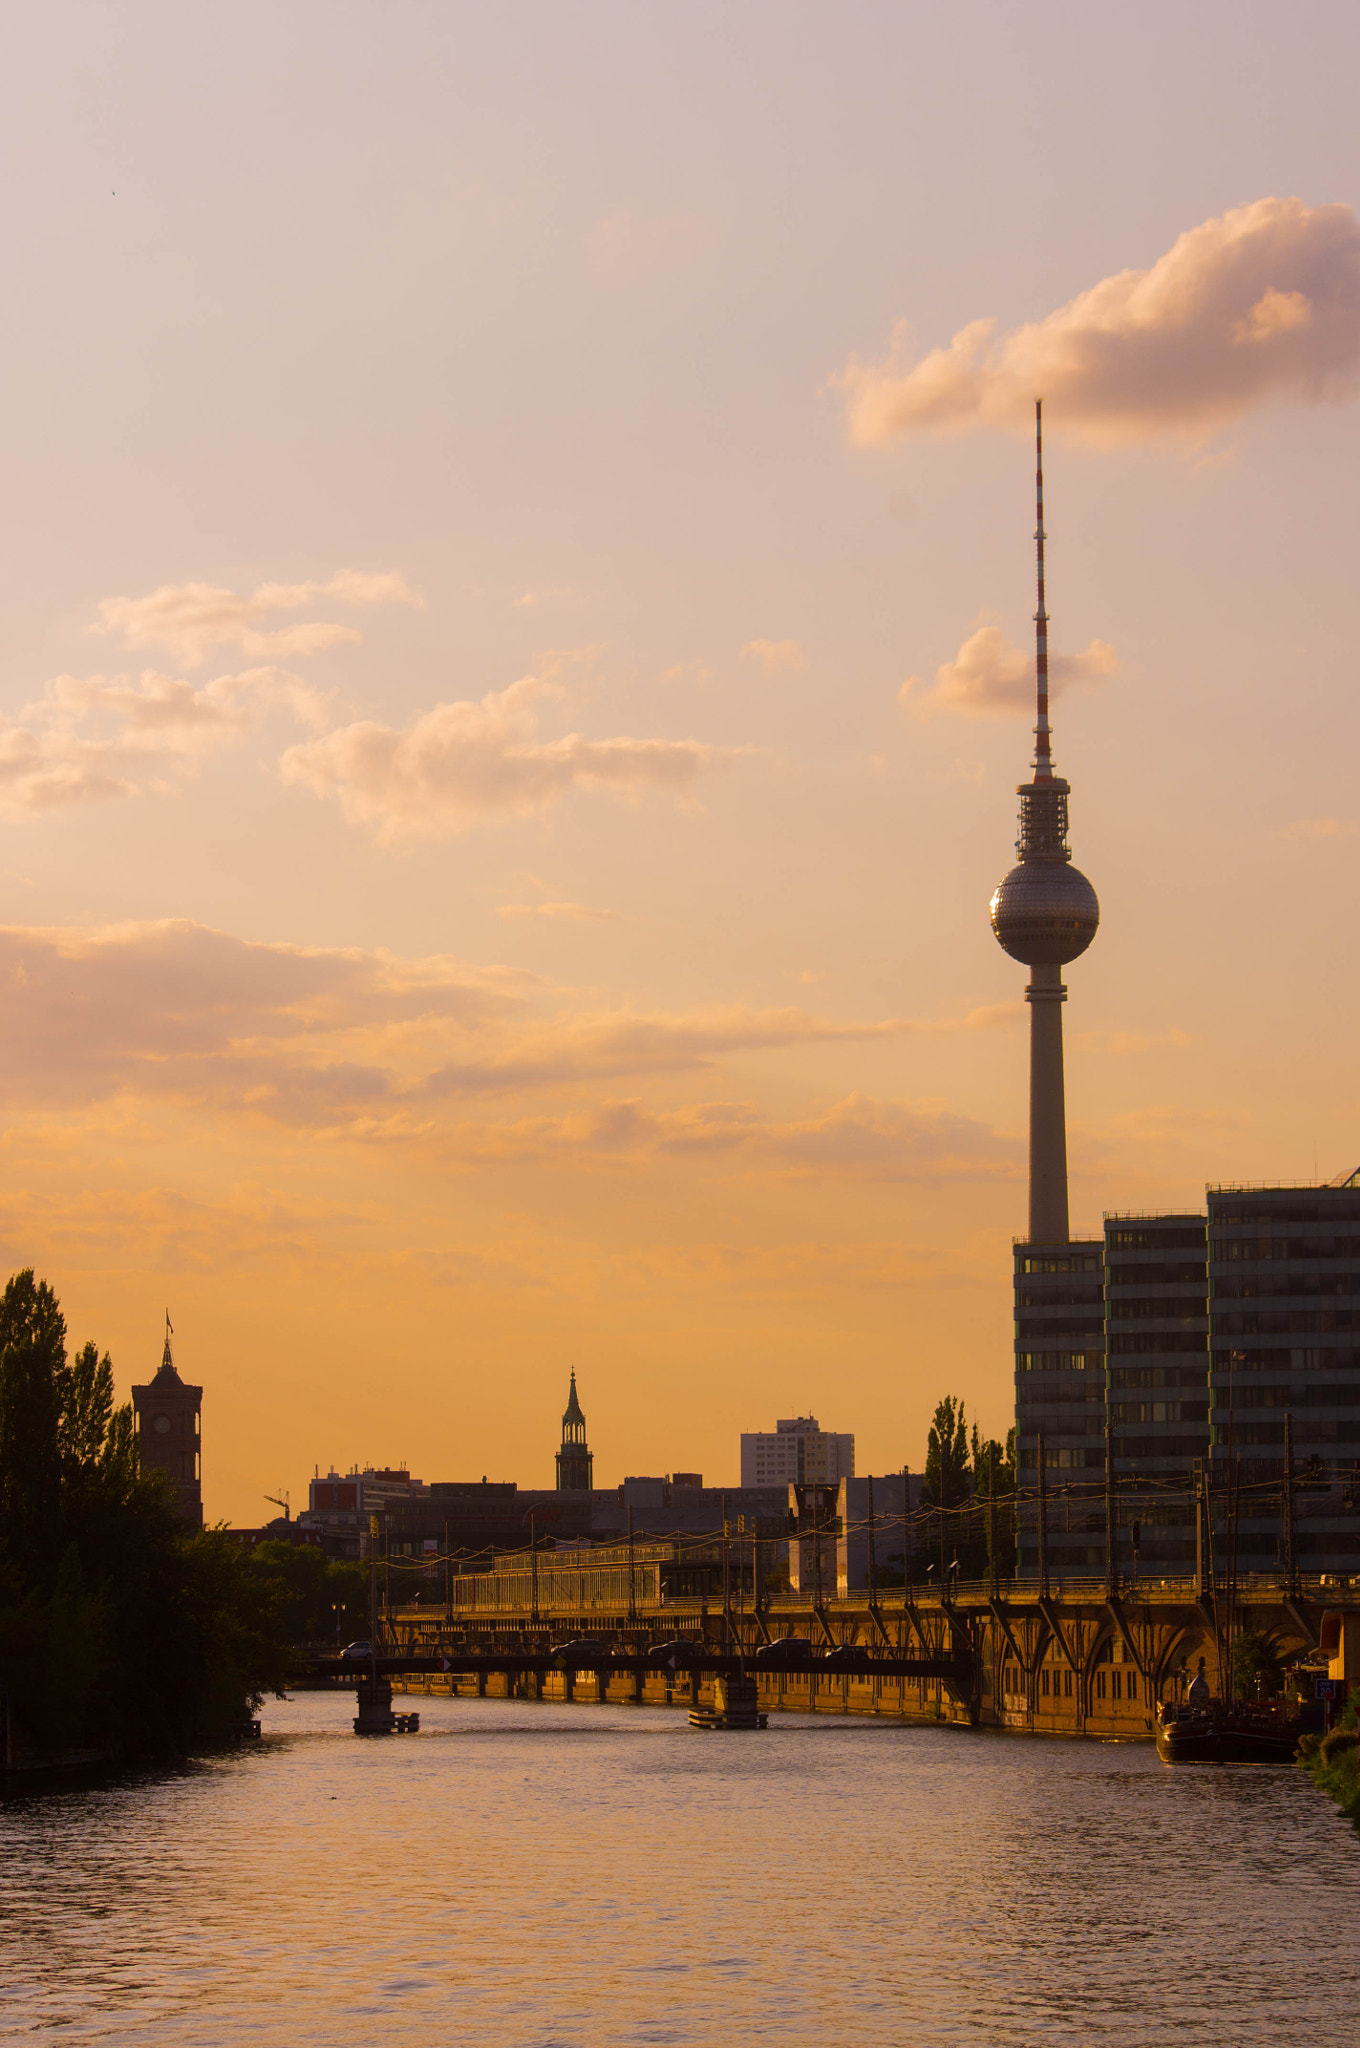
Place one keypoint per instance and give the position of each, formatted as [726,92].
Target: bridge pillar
[375,1716]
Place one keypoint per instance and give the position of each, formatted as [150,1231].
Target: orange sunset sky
[517,597]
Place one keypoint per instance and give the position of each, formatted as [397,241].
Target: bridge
[1092,1657]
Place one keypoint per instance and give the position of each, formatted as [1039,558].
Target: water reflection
[560,1876]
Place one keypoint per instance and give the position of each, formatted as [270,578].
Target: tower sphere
[1045,912]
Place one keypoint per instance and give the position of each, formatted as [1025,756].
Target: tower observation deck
[1045,913]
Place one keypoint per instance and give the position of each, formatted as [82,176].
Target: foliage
[1257,1669]
[946,1480]
[304,1587]
[118,1630]
[963,1474]
[1334,1761]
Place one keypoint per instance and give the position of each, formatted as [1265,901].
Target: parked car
[584,1650]
[354,1652]
[849,1657]
[785,1650]
[673,1654]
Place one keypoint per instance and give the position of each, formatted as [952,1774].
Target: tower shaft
[1047,1109]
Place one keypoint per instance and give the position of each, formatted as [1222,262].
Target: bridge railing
[579,1595]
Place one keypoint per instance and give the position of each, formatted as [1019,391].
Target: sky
[517,594]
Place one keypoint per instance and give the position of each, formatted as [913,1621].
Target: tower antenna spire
[1043,758]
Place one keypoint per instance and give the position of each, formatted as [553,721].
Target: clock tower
[167,1415]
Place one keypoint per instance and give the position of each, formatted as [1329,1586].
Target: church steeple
[575,1466]
[167,1370]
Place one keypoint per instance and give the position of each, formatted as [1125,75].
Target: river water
[544,1876]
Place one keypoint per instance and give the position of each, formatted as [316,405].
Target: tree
[34,1383]
[1257,1667]
[305,1587]
[118,1629]
[946,1480]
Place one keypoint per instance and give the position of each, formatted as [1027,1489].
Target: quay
[1082,1658]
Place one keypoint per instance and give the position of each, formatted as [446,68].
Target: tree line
[121,1632]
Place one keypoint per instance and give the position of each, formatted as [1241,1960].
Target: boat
[1228,1733]
[734,1706]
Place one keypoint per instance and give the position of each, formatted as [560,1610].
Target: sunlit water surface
[586,1876]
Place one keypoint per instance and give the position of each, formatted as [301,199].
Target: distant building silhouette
[168,1418]
[575,1466]
[797,1452]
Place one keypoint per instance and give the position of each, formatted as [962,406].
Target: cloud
[858,1139]
[775,654]
[193,618]
[990,677]
[568,913]
[1261,302]
[1317,828]
[374,1048]
[94,737]
[589,1046]
[469,760]
[1121,1043]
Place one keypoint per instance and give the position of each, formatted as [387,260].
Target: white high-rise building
[799,1451]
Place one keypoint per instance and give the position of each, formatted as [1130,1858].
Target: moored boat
[1223,1733]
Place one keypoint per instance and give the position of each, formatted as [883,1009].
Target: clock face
[161,1425]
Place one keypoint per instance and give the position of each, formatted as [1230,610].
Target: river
[544,1876]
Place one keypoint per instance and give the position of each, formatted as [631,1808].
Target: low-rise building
[340,1505]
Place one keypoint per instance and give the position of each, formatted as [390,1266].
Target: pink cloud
[193,618]
[93,737]
[775,654]
[1262,302]
[1318,828]
[470,760]
[990,677]
[379,1049]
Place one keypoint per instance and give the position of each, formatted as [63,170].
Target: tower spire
[1043,759]
[1045,913]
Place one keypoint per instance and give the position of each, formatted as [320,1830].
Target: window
[1114,1685]
[1067,1685]
[1100,1685]
[1132,1684]
[1043,1683]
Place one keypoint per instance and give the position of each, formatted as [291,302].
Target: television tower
[1045,913]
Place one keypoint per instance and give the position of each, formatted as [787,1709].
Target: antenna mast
[1043,762]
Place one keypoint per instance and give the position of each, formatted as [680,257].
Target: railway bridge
[1080,1657]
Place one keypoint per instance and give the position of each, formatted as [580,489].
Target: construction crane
[274,1501]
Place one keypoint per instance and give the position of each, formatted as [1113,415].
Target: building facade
[1284,1376]
[167,1416]
[797,1452]
[1060,1402]
[1157,1355]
